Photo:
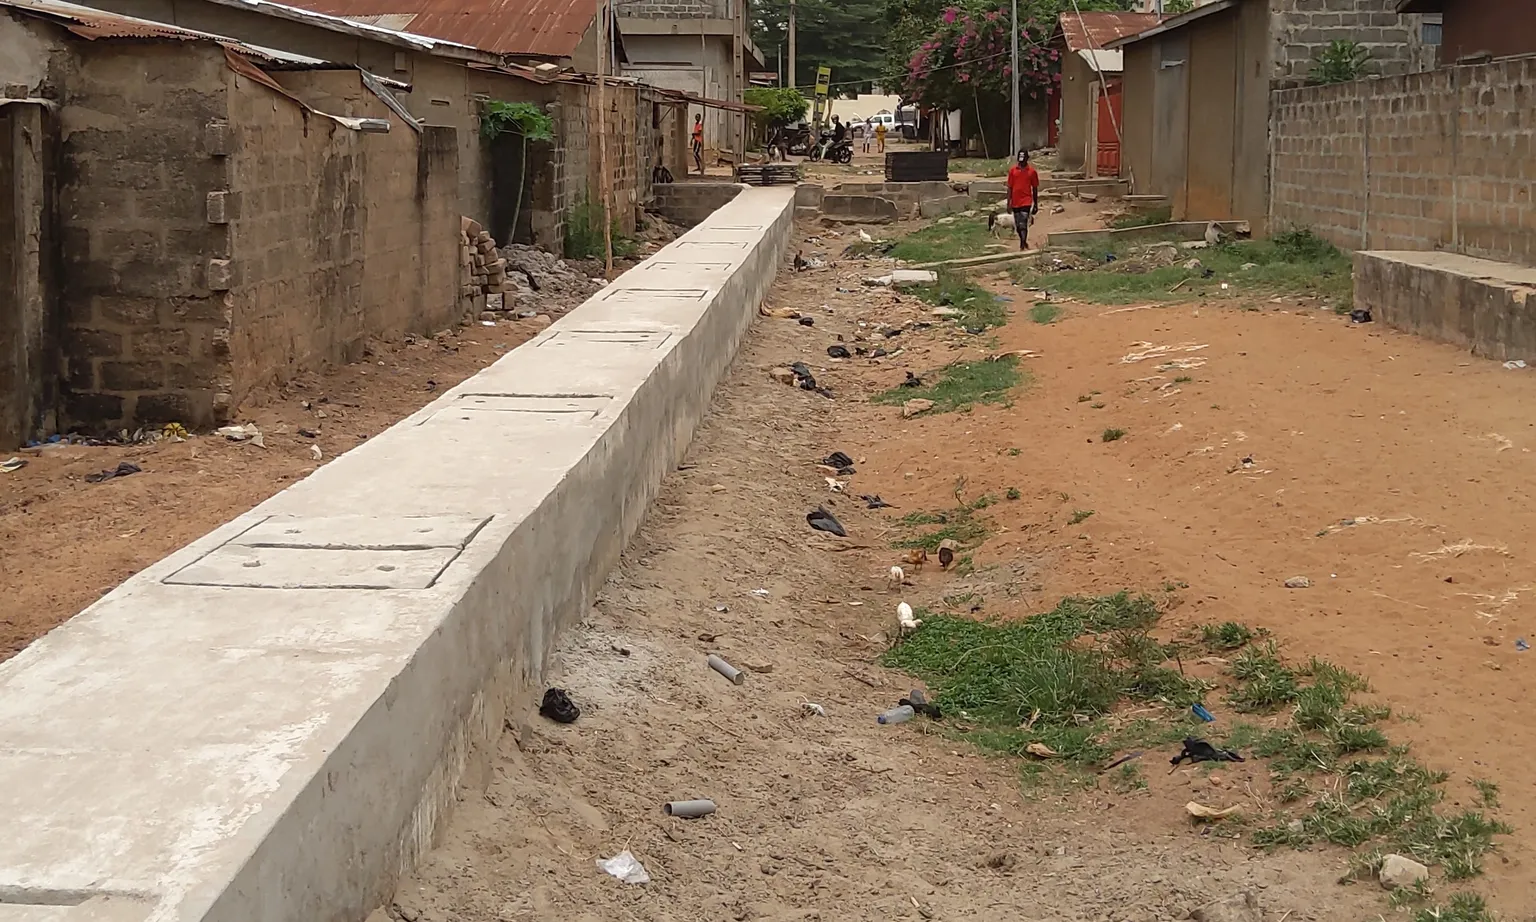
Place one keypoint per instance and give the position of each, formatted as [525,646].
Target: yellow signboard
[823,89]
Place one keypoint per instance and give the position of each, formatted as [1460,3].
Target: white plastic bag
[625,867]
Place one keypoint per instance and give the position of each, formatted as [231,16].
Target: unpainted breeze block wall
[218,239]
[1302,28]
[145,332]
[1441,160]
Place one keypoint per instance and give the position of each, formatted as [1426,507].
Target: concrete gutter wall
[1477,304]
[271,724]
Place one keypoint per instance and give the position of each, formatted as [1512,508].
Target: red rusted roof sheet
[1095,30]
[537,28]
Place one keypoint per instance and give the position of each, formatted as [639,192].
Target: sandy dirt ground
[836,818]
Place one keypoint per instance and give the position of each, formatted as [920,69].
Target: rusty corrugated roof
[1095,30]
[538,28]
[88,23]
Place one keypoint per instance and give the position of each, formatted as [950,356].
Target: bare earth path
[837,818]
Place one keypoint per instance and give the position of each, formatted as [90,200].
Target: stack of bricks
[482,273]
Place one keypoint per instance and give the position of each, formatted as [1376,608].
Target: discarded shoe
[559,707]
[1198,750]
[822,520]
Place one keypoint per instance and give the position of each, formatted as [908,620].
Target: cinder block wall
[1300,29]
[145,334]
[339,235]
[689,203]
[1438,160]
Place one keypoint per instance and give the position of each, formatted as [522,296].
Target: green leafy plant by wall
[1340,62]
[781,105]
[530,123]
[584,232]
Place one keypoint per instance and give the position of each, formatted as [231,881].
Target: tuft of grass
[1113,435]
[1183,379]
[1052,678]
[1297,262]
[1013,493]
[963,385]
[1462,907]
[978,307]
[1229,635]
[935,242]
[1487,792]
[1045,312]
[1079,516]
[1266,683]
[981,166]
[1160,215]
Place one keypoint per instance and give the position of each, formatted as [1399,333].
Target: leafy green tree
[847,35]
[781,106]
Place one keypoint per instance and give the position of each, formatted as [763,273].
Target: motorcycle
[835,151]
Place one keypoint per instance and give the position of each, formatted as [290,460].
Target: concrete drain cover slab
[713,244]
[689,267]
[339,552]
[654,294]
[735,227]
[649,339]
[585,406]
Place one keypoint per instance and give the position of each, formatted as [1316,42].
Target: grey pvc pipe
[689,809]
[726,669]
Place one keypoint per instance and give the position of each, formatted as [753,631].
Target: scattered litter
[1122,760]
[1198,750]
[1199,711]
[1521,645]
[807,321]
[314,452]
[912,381]
[559,707]
[822,520]
[688,809]
[944,311]
[901,278]
[308,434]
[812,709]
[487,323]
[248,433]
[1298,582]
[1359,315]
[1145,350]
[915,406]
[122,470]
[726,669]
[1464,546]
[761,592]
[1201,812]
[839,462]
[918,701]
[874,501]
[897,715]
[835,485]
[839,352]
[1517,363]
[12,465]
[1042,751]
[1192,265]
[625,867]
[176,432]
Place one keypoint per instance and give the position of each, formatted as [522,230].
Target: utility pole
[605,186]
[739,61]
[792,44]
[1013,131]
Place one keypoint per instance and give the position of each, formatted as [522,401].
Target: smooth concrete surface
[1479,304]
[271,724]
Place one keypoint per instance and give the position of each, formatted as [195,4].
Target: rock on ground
[1398,871]
[1239,907]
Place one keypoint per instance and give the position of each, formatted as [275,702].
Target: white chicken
[864,237]
[907,621]
[897,577]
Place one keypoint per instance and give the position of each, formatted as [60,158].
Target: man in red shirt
[1023,196]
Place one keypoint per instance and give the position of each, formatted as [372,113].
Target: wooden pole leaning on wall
[605,182]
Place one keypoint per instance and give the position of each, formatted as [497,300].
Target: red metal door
[1110,121]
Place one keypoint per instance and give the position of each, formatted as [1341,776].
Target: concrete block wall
[1441,160]
[678,9]
[30,317]
[1477,304]
[239,732]
[339,236]
[581,164]
[1299,29]
[145,332]
[908,196]
[689,203]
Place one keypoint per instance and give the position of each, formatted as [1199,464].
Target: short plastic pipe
[688,809]
[726,669]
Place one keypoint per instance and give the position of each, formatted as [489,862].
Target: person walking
[1023,196]
[698,143]
[869,133]
[880,137]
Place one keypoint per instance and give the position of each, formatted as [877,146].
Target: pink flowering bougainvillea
[968,54]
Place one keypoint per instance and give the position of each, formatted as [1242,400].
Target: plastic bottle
[897,715]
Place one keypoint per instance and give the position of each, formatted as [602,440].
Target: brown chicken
[915,558]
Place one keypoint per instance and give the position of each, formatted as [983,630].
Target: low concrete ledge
[271,724]
[1479,304]
[1146,233]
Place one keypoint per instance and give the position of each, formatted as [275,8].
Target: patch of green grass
[1013,452]
[978,307]
[1052,678]
[1013,493]
[1045,312]
[1161,215]
[1266,683]
[1079,516]
[1462,907]
[1487,792]
[1096,406]
[1084,398]
[1183,379]
[1128,778]
[1229,635]
[1113,435]
[1293,263]
[963,385]
[960,237]
[981,166]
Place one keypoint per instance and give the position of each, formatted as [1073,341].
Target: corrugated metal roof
[537,28]
[88,23]
[1095,30]
[1175,22]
